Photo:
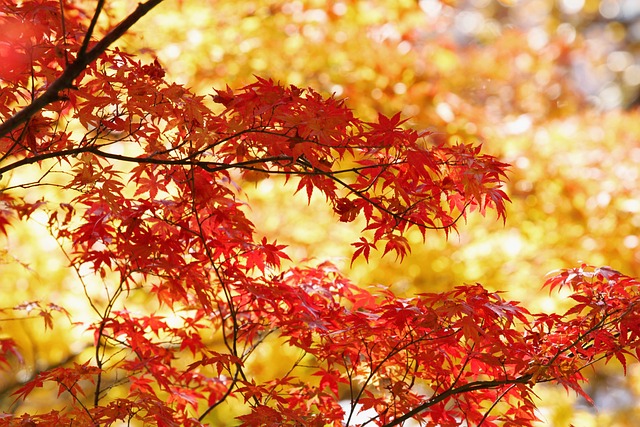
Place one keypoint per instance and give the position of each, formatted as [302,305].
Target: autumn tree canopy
[141,183]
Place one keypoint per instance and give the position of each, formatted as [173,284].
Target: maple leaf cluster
[152,204]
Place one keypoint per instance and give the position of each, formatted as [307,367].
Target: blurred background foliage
[550,86]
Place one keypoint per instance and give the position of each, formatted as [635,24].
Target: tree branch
[92,26]
[466,388]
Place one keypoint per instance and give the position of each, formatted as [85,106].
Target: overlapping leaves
[151,182]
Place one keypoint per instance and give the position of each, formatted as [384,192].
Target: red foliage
[155,205]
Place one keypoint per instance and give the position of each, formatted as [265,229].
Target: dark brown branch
[247,165]
[190,160]
[467,388]
[92,26]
